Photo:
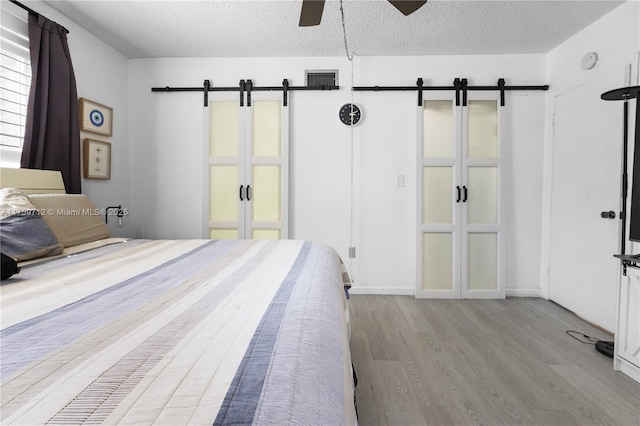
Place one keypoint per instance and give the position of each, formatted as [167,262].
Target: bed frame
[32,181]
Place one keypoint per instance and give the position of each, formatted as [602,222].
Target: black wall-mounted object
[119,212]
[457,86]
[460,86]
[245,88]
[350,114]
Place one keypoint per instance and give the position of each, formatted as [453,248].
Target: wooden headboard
[32,181]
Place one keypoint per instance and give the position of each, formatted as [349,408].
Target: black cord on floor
[589,340]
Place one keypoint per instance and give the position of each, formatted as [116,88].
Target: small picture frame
[97,159]
[95,117]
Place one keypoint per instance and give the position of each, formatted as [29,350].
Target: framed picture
[95,117]
[97,159]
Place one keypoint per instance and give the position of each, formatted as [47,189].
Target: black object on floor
[605,348]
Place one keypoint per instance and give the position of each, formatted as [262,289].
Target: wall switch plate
[399,181]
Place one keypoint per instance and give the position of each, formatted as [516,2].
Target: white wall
[616,39]
[158,164]
[158,145]
[101,75]
[168,166]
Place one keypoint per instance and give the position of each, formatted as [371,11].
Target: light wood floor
[484,362]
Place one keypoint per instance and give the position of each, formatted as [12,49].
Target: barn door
[248,168]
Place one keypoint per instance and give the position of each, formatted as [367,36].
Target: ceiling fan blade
[311,13]
[407,7]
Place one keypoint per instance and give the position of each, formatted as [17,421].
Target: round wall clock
[350,114]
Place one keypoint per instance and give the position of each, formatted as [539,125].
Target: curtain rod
[28,9]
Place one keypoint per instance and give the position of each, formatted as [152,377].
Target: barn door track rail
[245,88]
[460,85]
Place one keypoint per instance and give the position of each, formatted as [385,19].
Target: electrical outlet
[352,252]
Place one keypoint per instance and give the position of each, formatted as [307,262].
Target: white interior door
[587,143]
[439,197]
[248,167]
[459,199]
[267,152]
[482,235]
[226,167]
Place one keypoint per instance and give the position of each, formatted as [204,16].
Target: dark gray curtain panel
[52,136]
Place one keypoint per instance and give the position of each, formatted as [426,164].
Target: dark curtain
[52,136]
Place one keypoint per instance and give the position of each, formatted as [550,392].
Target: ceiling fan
[311,13]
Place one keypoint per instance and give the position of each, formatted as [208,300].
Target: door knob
[608,215]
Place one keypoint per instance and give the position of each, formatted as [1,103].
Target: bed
[124,331]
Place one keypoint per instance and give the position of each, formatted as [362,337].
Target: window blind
[15,80]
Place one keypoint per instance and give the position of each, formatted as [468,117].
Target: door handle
[248,192]
[464,200]
[458,194]
[608,215]
[241,188]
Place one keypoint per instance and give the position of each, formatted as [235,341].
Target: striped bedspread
[178,332]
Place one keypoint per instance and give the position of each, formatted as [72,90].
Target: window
[15,79]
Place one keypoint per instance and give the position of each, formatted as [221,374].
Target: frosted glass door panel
[224,193]
[482,261]
[437,261]
[224,129]
[266,128]
[437,197]
[438,129]
[483,194]
[482,136]
[224,234]
[266,234]
[265,193]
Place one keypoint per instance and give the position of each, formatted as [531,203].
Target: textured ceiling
[240,28]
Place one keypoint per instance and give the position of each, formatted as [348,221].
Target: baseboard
[523,292]
[383,290]
[627,368]
[511,292]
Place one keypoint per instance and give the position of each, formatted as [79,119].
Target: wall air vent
[328,78]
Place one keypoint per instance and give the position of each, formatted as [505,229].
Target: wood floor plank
[497,400]
[443,359]
[553,418]
[424,372]
[367,396]
[399,402]
[498,350]
[382,344]
[482,362]
[601,398]
[443,324]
